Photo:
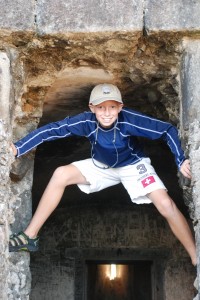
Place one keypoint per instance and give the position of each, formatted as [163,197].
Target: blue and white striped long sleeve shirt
[120,140]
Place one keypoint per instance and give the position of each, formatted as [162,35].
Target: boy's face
[106,112]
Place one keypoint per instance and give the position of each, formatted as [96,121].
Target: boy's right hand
[14,149]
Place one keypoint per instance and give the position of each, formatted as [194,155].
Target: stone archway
[146,68]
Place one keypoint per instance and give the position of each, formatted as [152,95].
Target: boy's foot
[21,242]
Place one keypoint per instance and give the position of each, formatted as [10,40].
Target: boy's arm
[49,132]
[56,130]
[142,125]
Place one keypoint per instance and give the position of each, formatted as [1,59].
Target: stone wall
[5,160]
[190,120]
[14,274]
[29,27]
[125,233]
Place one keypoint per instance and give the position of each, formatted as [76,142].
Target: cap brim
[99,101]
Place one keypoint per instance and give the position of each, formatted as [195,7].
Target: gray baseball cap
[104,92]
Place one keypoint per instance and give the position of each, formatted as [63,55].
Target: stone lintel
[89,16]
[17,15]
[50,17]
[179,15]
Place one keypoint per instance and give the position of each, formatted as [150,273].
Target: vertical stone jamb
[190,85]
[5,162]
[14,267]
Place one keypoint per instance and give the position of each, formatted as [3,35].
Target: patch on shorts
[147,181]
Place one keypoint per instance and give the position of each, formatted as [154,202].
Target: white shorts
[139,179]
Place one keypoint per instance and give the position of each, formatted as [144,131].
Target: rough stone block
[197,235]
[179,15]
[89,15]
[20,278]
[3,239]
[17,14]
[60,275]
[190,82]
[3,213]
[4,86]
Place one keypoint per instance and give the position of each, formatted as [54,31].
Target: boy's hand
[185,169]
[14,149]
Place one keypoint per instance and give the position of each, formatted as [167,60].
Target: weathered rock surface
[172,15]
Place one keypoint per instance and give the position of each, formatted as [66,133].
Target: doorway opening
[125,280]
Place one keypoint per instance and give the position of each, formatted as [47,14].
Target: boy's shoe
[21,242]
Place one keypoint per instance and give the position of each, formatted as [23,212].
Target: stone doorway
[121,280]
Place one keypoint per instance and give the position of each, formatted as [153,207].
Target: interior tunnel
[63,100]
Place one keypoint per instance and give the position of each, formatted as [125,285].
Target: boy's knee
[60,174]
[67,175]
[166,207]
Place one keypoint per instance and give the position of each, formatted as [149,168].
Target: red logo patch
[147,181]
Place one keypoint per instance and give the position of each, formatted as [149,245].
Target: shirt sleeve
[52,131]
[142,125]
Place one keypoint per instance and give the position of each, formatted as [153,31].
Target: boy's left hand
[185,169]
[14,149]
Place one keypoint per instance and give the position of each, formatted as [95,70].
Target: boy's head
[106,103]
[104,92]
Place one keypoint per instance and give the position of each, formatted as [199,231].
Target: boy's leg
[176,220]
[75,173]
[62,177]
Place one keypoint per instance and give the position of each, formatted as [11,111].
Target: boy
[116,156]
